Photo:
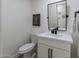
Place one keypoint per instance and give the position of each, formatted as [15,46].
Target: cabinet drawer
[55,44]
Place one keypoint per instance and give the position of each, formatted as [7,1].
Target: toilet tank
[34,38]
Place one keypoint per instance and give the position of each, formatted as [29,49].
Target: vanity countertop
[61,36]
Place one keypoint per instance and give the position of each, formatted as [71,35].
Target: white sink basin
[61,36]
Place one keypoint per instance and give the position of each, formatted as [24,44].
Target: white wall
[16,25]
[40,6]
[74,6]
[0,26]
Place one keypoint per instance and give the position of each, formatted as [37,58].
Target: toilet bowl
[26,49]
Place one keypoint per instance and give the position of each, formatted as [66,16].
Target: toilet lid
[27,46]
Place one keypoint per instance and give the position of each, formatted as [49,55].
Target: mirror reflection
[57,15]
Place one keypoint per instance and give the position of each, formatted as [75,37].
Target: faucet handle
[56,29]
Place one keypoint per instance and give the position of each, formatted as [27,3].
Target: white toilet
[26,50]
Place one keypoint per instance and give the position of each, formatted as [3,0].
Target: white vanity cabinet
[53,48]
[49,52]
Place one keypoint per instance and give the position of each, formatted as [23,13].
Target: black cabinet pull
[48,52]
[51,53]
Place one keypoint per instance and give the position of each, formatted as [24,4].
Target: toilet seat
[26,48]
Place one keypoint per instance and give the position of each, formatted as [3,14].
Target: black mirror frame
[66,14]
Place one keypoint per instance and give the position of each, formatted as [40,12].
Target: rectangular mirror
[57,13]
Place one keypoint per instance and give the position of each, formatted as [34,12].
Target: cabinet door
[58,53]
[43,51]
[49,52]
